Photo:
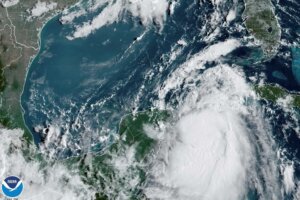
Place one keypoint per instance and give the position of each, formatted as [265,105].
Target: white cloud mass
[9,3]
[209,152]
[42,7]
[146,10]
[52,182]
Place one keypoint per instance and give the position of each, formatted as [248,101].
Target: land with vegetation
[274,93]
[19,43]
[125,160]
[260,20]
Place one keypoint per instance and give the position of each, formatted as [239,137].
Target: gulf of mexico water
[80,89]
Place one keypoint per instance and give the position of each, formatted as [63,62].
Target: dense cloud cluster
[41,180]
[147,11]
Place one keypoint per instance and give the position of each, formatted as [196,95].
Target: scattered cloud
[147,11]
[41,7]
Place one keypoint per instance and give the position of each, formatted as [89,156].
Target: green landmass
[273,93]
[261,22]
[99,170]
[19,43]
[133,128]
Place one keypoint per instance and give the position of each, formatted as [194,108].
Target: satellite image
[150,99]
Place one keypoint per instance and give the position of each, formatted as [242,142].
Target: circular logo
[12,187]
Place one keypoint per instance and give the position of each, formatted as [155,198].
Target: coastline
[28,135]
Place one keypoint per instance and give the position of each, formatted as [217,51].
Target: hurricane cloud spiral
[209,151]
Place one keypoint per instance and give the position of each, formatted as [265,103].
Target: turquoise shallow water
[296,63]
[279,75]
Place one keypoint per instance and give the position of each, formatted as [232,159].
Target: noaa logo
[12,187]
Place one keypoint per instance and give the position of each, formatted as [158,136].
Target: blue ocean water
[87,84]
[73,75]
[94,80]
